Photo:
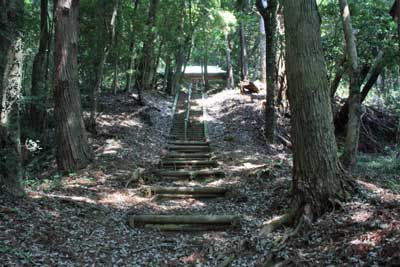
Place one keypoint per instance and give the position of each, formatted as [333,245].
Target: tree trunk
[96,90]
[269,17]
[244,64]
[340,70]
[230,81]
[263,53]
[179,59]
[116,73]
[10,144]
[38,89]
[129,73]
[100,70]
[144,79]
[205,68]
[341,117]
[11,67]
[168,74]
[349,156]
[73,150]
[318,178]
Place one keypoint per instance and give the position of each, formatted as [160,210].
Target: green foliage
[47,185]
[383,169]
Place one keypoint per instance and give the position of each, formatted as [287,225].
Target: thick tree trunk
[39,81]
[318,178]
[230,83]
[10,145]
[11,67]
[244,64]
[73,150]
[269,17]
[263,53]
[349,156]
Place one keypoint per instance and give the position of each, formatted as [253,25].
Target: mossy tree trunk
[73,150]
[318,178]
[11,56]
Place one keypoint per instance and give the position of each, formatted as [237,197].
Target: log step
[186,158]
[192,174]
[184,222]
[186,191]
[193,143]
[185,227]
[190,162]
[191,155]
[187,147]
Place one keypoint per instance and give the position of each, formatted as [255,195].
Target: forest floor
[80,219]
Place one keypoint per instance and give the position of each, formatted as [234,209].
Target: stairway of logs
[189,157]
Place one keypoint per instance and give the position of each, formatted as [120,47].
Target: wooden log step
[185,227]
[183,196]
[193,143]
[187,158]
[189,162]
[186,191]
[194,220]
[192,174]
[177,155]
[188,149]
[189,133]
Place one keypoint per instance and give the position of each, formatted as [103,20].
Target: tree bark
[168,74]
[244,70]
[376,69]
[263,53]
[10,144]
[340,70]
[269,17]
[349,156]
[116,73]
[73,150]
[205,68]
[129,74]
[318,178]
[230,83]
[39,81]
[100,69]
[144,79]
[11,67]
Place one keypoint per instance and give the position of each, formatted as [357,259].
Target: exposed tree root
[277,223]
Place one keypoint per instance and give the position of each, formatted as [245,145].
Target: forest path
[187,158]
